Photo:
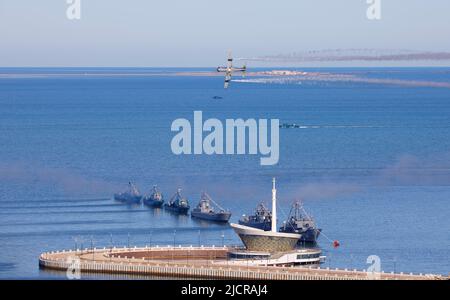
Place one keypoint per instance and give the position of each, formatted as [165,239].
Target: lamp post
[395,264]
[351,261]
[92,247]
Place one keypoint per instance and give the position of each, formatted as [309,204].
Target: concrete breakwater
[197,262]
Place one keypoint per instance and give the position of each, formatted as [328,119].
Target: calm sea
[371,162]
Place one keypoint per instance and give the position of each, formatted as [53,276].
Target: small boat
[262,219]
[131,196]
[155,199]
[177,204]
[289,125]
[300,222]
[206,211]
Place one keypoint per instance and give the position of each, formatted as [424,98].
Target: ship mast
[274,206]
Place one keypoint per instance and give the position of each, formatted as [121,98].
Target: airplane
[229,69]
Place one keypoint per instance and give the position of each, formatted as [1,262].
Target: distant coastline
[268,76]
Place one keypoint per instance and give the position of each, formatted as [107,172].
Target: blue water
[372,163]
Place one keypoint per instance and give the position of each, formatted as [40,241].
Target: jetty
[198,262]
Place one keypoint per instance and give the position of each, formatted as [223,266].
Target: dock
[198,262]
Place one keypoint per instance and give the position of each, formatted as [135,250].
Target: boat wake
[296,77]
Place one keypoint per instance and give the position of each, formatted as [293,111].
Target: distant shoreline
[274,76]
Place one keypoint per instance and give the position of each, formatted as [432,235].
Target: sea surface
[371,162]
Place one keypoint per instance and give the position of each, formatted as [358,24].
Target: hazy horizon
[199,33]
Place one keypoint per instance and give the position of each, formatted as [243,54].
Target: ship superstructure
[208,209]
[271,241]
[132,195]
[155,199]
[300,222]
[261,219]
[178,203]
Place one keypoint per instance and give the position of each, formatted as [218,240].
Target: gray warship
[262,219]
[206,211]
[131,196]
[155,199]
[300,222]
[177,204]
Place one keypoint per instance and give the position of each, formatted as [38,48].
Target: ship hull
[216,217]
[177,209]
[258,225]
[153,203]
[309,236]
[128,199]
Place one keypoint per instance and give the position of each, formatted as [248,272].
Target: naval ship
[272,241]
[132,195]
[155,199]
[300,222]
[262,219]
[206,211]
[177,204]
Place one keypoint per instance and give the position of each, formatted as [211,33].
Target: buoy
[336,244]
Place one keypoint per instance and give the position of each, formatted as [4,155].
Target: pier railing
[101,261]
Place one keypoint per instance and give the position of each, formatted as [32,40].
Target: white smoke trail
[355,55]
[346,78]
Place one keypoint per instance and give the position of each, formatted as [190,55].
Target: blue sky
[199,32]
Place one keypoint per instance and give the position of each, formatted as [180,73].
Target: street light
[92,247]
[76,240]
[81,244]
[395,264]
[351,261]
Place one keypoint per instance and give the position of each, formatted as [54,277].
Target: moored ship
[177,204]
[271,241]
[132,195]
[300,222]
[262,219]
[206,211]
[155,199]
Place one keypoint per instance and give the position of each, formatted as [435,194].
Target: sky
[198,33]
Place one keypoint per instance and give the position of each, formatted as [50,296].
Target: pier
[198,262]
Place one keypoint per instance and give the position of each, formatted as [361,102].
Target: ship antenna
[274,206]
[214,202]
[292,212]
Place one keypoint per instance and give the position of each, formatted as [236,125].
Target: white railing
[58,260]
